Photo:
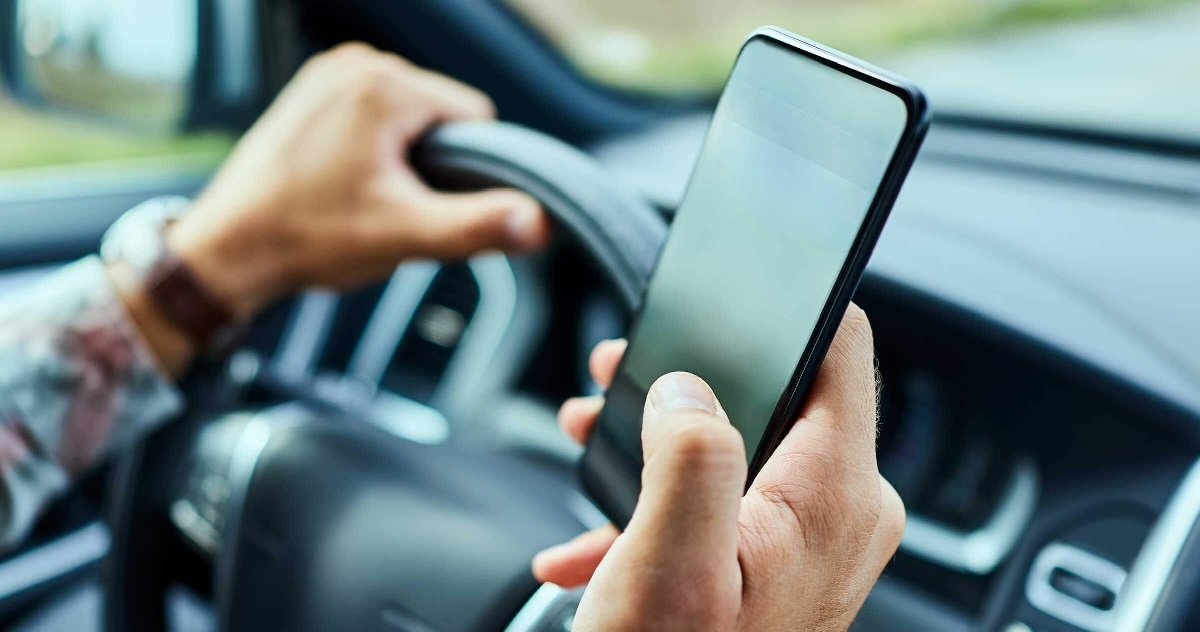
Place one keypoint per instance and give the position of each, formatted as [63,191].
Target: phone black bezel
[795,395]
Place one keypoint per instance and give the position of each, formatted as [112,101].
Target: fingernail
[682,391]
[523,225]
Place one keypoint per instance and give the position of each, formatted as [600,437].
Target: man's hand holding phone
[800,550]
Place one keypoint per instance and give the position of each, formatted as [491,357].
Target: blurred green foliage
[36,139]
[694,50]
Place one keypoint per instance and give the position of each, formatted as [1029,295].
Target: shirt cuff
[76,379]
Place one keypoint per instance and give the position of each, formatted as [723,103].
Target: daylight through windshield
[1124,66]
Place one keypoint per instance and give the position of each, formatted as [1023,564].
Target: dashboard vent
[354,310]
[437,328]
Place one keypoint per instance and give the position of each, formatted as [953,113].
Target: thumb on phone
[680,550]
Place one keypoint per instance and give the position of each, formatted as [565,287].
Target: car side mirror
[159,65]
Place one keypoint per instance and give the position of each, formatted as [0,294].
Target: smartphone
[802,162]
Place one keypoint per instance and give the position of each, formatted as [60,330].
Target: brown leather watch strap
[185,302]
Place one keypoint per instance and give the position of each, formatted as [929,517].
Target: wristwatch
[137,240]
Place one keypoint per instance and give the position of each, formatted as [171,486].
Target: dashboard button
[1074,586]
[1083,589]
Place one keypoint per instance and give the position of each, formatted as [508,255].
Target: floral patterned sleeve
[75,379]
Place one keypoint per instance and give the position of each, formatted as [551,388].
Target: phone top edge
[915,101]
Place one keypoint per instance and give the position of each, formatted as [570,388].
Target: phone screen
[793,159]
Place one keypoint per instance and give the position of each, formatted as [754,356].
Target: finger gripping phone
[801,165]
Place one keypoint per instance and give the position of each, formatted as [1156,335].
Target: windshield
[1119,66]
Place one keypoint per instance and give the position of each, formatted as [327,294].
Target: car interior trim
[195,528]
[532,616]
[1090,164]
[139,179]
[895,604]
[482,338]
[248,449]
[305,334]
[57,214]
[57,558]
[395,414]
[408,419]
[978,552]
[237,25]
[586,512]
[391,319]
[1152,569]
[1040,591]
[1053,132]
[251,441]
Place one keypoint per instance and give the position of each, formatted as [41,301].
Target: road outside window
[1105,65]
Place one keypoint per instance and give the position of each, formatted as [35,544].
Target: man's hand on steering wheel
[320,192]
[799,551]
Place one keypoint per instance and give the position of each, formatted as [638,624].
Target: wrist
[169,343]
[237,265]
[187,276]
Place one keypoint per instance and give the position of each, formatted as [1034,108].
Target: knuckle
[398,63]
[342,54]
[480,104]
[832,502]
[461,99]
[813,480]
[819,459]
[357,237]
[373,90]
[865,517]
[802,505]
[470,237]
[313,62]
[703,442]
[352,49]
[866,508]
[893,519]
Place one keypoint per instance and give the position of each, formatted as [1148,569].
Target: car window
[35,138]
[126,64]
[1112,65]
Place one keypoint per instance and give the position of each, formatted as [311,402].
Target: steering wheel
[305,519]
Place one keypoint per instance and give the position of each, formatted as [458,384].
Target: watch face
[136,238]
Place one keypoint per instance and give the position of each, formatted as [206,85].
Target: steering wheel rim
[619,232]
